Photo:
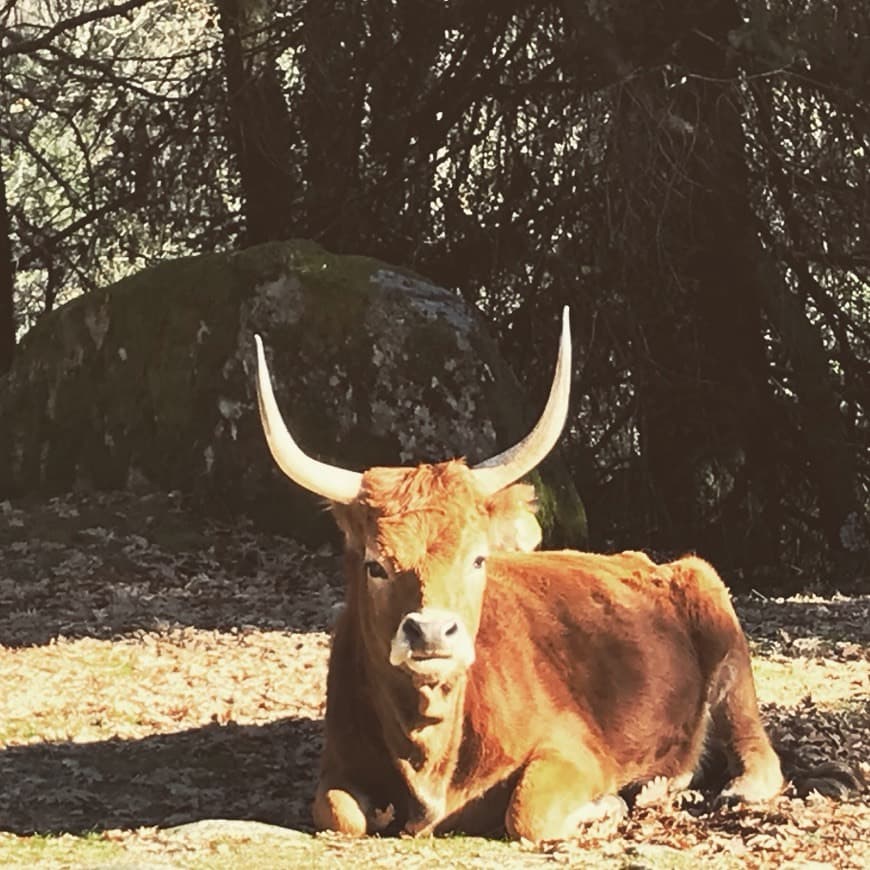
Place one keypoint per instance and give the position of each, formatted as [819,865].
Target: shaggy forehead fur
[422,513]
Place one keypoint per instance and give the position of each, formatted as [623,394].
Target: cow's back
[580,646]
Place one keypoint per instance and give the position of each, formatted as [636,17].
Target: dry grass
[158,671]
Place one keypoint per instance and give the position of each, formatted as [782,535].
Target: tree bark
[829,456]
[707,416]
[260,129]
[7,283]
[331,111]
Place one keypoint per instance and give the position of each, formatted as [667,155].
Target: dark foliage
[690,177]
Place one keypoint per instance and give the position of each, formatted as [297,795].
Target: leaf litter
[159,669]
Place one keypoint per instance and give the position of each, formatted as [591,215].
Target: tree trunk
[405,42]
[829,456]
[825,447]
[7,283]
[331,115]
[707,418]
[260,129]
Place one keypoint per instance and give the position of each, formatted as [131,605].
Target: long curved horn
[329,481]
[510,465]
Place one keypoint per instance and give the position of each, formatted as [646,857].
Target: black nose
[429,636]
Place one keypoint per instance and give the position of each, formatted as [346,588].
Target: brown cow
[476,687]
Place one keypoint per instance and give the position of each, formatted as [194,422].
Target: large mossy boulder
[150,383]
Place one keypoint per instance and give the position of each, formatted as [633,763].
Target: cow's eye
[479,562]
[375,569]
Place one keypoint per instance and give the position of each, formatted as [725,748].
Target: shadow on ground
[267,773]
[796,627]
[107,564]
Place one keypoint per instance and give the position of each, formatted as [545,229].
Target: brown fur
[592,672]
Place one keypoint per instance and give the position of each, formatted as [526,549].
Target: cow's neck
[422,726]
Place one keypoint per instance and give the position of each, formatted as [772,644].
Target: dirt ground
[158,669]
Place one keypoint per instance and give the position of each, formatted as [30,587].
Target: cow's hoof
[610,807]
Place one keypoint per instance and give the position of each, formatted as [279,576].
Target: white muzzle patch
[432,643]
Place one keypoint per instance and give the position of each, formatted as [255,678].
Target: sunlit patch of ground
[86,690]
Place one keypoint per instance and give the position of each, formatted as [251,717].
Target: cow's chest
[429,760]
[427,803]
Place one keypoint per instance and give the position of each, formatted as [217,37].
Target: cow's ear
[512,521]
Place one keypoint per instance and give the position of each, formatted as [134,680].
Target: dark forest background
[691,176]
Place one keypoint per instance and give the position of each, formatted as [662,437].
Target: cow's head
[418,538]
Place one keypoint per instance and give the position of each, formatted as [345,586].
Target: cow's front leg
[555,794]
[348,811]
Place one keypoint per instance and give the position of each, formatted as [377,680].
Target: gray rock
[150,384]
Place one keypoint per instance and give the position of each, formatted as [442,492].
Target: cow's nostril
[430,636]
[413,631]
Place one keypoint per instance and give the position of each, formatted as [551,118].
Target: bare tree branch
[25,46]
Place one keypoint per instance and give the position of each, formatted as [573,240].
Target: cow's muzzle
[432,642]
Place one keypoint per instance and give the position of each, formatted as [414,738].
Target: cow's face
[420,538]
